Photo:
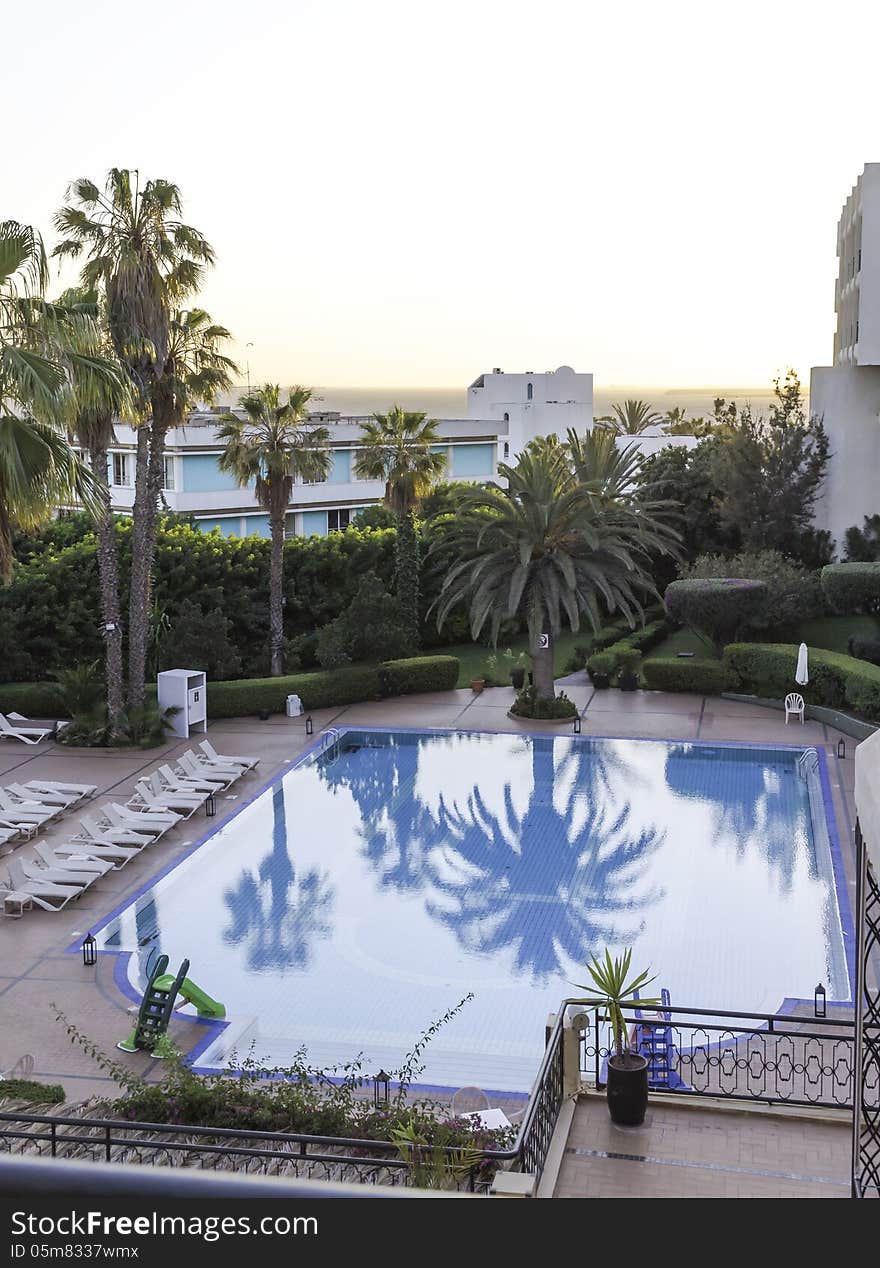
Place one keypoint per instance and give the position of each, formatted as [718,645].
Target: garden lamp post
[819,1001]
[381,1082]
[89,951]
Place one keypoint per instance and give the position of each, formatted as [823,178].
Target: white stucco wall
[868,795]
[847,398]
[560,399]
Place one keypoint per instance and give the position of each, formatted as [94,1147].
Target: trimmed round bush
[715,606]
[864,648]
[852,588]
[705,677]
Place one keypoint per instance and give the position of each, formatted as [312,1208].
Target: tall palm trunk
[108,577]
[542,669]
[276,591]
[141,565]
[406,567]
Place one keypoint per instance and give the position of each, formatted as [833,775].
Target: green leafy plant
[612,989]
[437,1164]
[27,1090]
[706,677]
[528,704]
[629,660]
[602,664]
[81,688]
[853,587]
[717,607]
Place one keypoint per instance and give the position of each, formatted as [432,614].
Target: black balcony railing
[773,1058]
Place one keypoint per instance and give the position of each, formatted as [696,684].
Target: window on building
[529,392]
[168,477]
[506,417]
[121,475]
[338,520]
[507,449]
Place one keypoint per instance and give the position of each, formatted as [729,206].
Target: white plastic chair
[794,703]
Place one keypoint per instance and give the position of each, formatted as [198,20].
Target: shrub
[629,660]
[603,663]
[864,648]
[793,594]
[836,680]
[862,545]
[418,673]
[529,705]
[371,628]
[716,607]
[853,587]
[706,677]
[36,1093]
[202,640]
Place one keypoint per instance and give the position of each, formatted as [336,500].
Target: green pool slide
[157,1006]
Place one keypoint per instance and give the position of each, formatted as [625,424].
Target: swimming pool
[382,879]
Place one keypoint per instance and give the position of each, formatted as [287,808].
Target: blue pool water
[372,887]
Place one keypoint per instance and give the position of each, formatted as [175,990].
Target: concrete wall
[533,404]
[847,398]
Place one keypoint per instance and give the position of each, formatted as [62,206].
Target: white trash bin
[294,707]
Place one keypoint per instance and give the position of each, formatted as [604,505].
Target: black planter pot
[601,681]
[628,682]
[517,678]
[627,1091]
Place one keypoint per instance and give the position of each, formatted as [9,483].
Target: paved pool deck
[36,971]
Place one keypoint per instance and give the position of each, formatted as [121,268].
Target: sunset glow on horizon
[410,195]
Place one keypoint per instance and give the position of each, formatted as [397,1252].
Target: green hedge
[669,673]
[330,688]
[851,587]
[30,699]
[836,680]
[418,673]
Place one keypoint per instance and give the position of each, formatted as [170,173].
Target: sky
[406,193]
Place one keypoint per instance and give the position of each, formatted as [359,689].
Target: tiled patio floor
[684,1151]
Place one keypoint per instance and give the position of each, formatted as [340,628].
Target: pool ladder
[808,763]
[330,744]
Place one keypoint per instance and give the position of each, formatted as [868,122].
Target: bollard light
[310,726]
[577,724]
[90,951]
[841,747]
[819,1001]
[381,1083]
[210,806]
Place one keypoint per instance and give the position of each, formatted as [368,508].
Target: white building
[195,485]
[846,395]
[532,404]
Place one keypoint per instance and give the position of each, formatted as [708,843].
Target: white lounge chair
[8,824]
[116,855]
[59,875]
[45,893]
[220,759]
[158,824]
[98,833]
[11,730]
[189,763]
[81,791]
[173,780]
[71,862]
[794,704]
[25,811]
[179,802]
[51,800]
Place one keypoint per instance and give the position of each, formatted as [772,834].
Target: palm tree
[274,445]
[194,370]
[146,261]
[399,448]
[596,458]
[43,348]
[92,428]
[631,418]
[547,550]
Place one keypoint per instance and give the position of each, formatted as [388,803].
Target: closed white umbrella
[801,676]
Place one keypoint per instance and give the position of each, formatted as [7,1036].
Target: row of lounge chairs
[112,836]
[25,808]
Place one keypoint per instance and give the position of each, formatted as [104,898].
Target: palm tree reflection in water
[552,882]
[279,915]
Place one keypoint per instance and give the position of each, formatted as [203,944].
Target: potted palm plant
[627,1084]
[630,661]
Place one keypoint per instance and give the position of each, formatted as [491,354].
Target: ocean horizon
[445,402]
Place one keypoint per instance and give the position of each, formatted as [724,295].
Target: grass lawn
[473,656]
[681,641]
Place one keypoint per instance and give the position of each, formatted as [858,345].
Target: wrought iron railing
[773,1058]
